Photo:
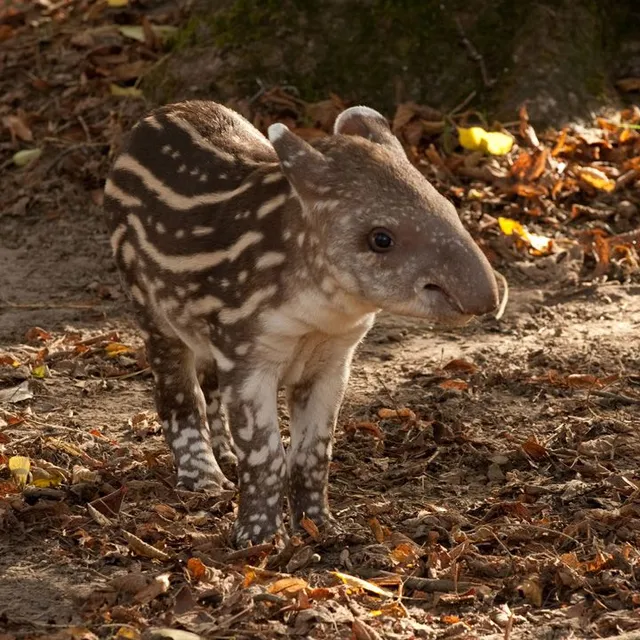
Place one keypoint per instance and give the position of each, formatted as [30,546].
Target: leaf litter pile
[485,481]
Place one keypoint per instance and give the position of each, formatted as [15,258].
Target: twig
[474,54]
[249,552]
[428,585]
[614,397]
[46,305]
[505,297]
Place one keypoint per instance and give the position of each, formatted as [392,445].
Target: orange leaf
[534,449]
[461,365]
[456,384]
[288,587]
[36,334]
[522,165]
[583,381]
[311,528]
[196,568]
[529,190]
[403,412]
[320,593]
[378,532]
[450,619]
[371,427]
[405,553]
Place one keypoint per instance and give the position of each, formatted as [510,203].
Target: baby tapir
[256,264]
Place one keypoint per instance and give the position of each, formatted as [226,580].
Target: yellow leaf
[539,245]
[492,142]
[41,371]
[125,92]
[114,349]
[128,632]
[117,3]
[42,478]
[596,179]
[359,583]
[26,156]
[19,467]
[132,31]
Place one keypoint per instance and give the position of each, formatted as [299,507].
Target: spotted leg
[181,406]
[313,407]
[218,425]
[253,418]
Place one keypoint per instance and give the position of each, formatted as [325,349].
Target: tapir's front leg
[314,404]
[251,404]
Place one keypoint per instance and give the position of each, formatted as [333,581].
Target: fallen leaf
[460,365]
[18,128]
[141,548]
[288,587]
[125,92]
[538,245]
[454,384]
[628,84]
[117,3]
[311,528]
[362,631]
[596,179]
[114,349]
[196,568]
[26,156]
[36,334]
[534,449]
[159,585]
[531,590]
[16,394]
[359,583]
[378,532]
[19,467]
[477,139]
[402,412]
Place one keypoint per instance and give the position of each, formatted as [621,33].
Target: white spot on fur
[271,205]
[269,259]
[258,456]
[230,316]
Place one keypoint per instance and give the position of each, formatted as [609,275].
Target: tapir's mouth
[441,307]
[437,291]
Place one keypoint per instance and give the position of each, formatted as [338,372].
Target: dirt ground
[486,478]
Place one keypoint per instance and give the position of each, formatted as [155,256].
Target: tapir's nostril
[433,287]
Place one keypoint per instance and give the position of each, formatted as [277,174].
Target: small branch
[428,585]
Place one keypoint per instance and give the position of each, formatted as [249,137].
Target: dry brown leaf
[534,449]
[460,365]
[531,590]
[454,384]
[143,549]
[165,511]
[159,585]
[311,528]
[628,84]
[18,127]
[288,587]
[378,532]
[362,631]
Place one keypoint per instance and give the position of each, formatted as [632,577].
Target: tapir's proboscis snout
[456,280]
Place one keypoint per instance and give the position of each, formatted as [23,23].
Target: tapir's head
[380,228]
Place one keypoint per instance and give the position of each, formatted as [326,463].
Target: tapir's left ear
[367,123]
[303,165]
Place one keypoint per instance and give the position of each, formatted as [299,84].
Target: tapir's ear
[304,166]
[367,123]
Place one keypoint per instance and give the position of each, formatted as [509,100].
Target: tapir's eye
[381,240]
